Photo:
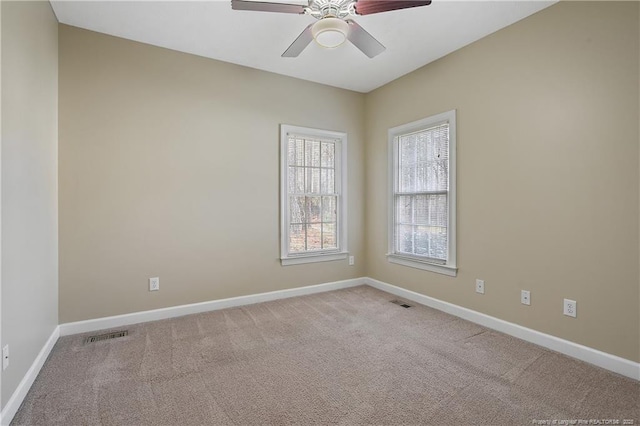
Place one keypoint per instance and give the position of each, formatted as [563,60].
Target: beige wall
[29,184]
[547,172]
[169,167]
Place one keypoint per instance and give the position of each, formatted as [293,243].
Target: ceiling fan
[333,26]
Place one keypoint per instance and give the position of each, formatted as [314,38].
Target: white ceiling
[413,37]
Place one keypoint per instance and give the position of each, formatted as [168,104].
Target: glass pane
[424,160]
[296,238]
[437,176]
[422,147]
[404,209]
[313,153]
[313,180]
[296,180]
[328,154]
[439,143]
[328,181]
[314,236]
[422,241]
[329,212]
[296,152]
[323,181]
[421,177]
[313,209]
[329,235]
[422,210]
[430,237]
[404,238]
[291,151]
[407,149]
[296,209]
[435,242]
[438,210]
[431,210]
[407,179]
[291,184]
[428,241]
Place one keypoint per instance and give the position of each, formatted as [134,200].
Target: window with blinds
[312,179]
[422,228]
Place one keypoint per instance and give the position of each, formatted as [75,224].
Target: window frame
[341,251]
[422,262]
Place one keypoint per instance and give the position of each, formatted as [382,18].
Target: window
[422,227]
[312,188]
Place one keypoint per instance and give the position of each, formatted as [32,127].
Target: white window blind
[423,214]
[421,199]
[312,194]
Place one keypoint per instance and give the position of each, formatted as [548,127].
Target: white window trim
[321,256]
[450,267]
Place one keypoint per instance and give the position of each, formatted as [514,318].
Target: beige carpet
[344,357]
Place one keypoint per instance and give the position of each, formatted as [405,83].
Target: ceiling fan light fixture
[330,32]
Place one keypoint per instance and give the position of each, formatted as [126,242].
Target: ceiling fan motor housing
[330,32]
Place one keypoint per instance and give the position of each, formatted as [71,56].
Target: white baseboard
[584,353]
[16,399]
[196,308]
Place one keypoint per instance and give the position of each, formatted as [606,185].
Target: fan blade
[262,6]
[299,44]
[363,40]
[367,7]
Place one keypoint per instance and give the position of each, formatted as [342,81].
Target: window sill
[313,258]
[449,270]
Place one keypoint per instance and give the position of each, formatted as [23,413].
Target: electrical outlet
[570,308]
[352,260]
[480,286]
[525,297]
[154,284]
[5,357]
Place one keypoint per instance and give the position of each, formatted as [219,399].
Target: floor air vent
[107,336]
[401,303]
